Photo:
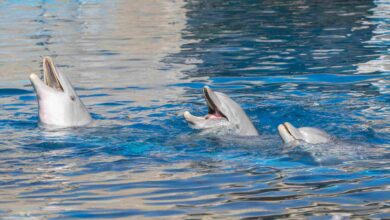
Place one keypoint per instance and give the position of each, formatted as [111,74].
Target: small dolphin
[58,103]
[223,112]
[310,135]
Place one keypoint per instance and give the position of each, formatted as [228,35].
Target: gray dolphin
[58,102]
[223,112]
[310,135]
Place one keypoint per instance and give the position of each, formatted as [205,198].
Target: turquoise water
[138,65]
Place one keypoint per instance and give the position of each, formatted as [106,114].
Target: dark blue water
[139,65]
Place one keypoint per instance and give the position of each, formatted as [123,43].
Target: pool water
[138,65]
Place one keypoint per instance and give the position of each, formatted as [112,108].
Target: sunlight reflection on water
[139,65]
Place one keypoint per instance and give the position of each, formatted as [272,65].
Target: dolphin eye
[72,97]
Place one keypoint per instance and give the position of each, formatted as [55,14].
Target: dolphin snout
[37,85]
[36,82]
[33,77]
[284,133]
[188,117]
[281,128]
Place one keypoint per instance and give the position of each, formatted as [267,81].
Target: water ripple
[137,69]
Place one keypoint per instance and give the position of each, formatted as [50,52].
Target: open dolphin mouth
[214,112]
[50,75]
[214,115]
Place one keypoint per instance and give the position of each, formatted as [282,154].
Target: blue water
[138,65]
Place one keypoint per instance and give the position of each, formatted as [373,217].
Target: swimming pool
[139,65]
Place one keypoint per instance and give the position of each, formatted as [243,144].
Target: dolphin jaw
[194,121]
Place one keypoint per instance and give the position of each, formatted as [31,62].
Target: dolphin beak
[293,130]
[37,83]
[192,119]
[285,134]
[288,132]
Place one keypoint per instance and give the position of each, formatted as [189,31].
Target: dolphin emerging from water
[310,135]
[58,103]
[223,112]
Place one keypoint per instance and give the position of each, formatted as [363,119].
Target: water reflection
[286,38]
[137,65]
[95,46]
[379,40]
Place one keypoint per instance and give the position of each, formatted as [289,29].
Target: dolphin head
[289,133]
[222,112]
[58,103]
[310,135]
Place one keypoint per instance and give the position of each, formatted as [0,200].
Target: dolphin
[58,103]
[223,112]
[291,134]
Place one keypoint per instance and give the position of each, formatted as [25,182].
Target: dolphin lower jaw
[191,118]
[204,122]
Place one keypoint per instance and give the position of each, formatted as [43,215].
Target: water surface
[139,65]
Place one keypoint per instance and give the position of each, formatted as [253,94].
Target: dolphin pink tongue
[217,114]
